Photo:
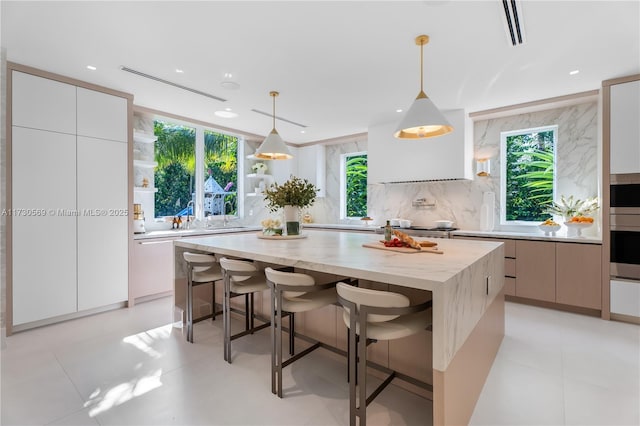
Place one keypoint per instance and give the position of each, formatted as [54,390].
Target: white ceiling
[338,66]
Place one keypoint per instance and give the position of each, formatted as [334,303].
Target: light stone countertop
[538,236]
[182,233]
[342,253]
[464,281]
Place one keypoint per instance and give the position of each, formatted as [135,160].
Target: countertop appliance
[422,231]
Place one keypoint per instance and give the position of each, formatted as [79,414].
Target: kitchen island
[465,284]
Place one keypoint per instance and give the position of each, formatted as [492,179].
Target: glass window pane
[221,173]
[530,173]
[174,175]
[356,185]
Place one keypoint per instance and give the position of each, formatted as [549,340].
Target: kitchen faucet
[225,220]
[193,213]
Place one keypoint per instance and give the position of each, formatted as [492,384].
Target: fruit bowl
[549,229]
[577,227]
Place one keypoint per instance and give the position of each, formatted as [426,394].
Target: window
[183,152]
[528,176]
[353,195]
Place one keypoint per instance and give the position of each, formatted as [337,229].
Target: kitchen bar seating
[373,315]
[241,277]
[201,269]
[292,292]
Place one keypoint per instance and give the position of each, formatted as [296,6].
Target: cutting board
[407,250]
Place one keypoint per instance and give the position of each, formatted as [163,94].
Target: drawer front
[510,268]
[509,286]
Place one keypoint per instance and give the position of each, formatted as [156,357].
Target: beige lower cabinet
[556,272]
[152,264]
[536,270]
[578,275]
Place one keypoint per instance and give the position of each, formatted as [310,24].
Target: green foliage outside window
[175,155]
[176,158]
[356,189]
[221,157]
[530,175]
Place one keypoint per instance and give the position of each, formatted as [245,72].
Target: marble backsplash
[460,201]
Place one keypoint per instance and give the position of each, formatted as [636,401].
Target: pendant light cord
[421,67]
[273,95]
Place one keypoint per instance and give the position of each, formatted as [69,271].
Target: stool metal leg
[361,367]
[292,333]
[226,317]
[189,304]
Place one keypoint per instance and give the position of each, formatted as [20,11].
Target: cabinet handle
[142,243]
[487,282]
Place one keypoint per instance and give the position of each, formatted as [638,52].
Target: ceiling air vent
[513,21]
[268,114]
[171,83]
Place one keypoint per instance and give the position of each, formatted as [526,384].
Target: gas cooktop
[423,231]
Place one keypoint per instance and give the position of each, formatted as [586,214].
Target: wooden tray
[380,246]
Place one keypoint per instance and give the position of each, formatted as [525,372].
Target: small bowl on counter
[444,224]
[405,223]
[549,229]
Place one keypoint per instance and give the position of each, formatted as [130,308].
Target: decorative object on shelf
[307,218]
[293,195]
[570,207]
[483,167]
[273,147]
[423,119]
[271,227]
[145,182]
[259,168]
[366,220]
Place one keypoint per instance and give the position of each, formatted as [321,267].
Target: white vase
[292,219]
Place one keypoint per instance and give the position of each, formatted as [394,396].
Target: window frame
[343,183]
[503,170]
[200,129]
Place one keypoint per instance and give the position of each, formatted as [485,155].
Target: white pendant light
[423,120]
[273,147]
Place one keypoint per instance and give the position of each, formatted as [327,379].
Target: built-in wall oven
[625,243]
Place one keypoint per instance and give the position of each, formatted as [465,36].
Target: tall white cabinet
[69,174]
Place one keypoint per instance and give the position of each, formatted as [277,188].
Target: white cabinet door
[101,115]
[40,103]
[102,226]
[44,228]
[625,128]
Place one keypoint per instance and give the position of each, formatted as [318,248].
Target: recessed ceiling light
[229,85]
[399,110]
[179,71]
[91,67]
[574,72]
[302,131]
[226,114]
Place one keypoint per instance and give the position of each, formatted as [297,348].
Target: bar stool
[241,277]
[200,270]
[373,315]
[292,292]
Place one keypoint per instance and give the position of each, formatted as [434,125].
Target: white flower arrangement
[568,207]
[259,167]
[271,227]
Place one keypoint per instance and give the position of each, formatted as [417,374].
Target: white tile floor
[131,367]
